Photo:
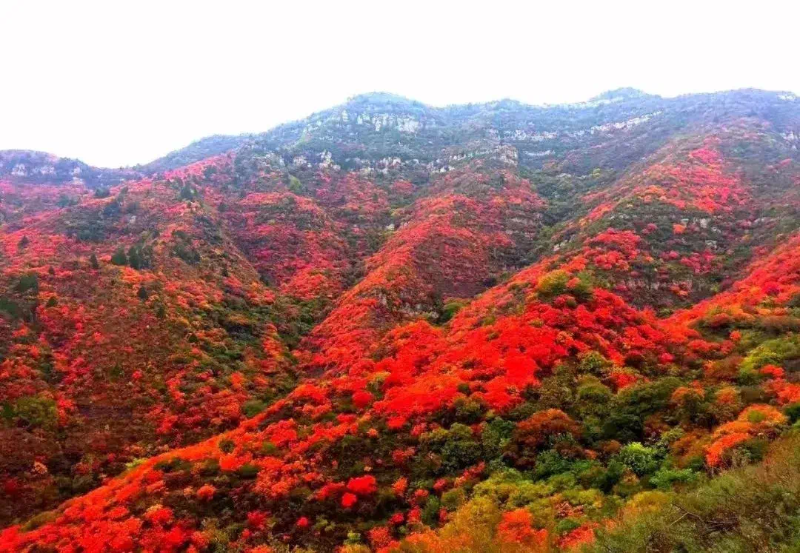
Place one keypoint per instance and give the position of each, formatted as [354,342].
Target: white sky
[123,82]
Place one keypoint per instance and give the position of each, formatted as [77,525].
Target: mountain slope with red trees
[359,330]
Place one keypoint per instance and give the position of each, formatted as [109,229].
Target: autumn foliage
[309,345]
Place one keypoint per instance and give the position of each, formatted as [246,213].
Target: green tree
[134,258]
[119,257]
[28,282]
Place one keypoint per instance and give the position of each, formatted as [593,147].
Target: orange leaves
[764,416]
[380,537]
[536,429]
[772,371]
[206,492]
[400,486]
[787,393]
[715,452]
[576,538]
[515,527]
[687,394]
[231,462]
[402,188]
[261,549]
[237,380]
[755,420]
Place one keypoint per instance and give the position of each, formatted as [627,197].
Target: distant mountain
[397,327]
[39,167]
[196,151]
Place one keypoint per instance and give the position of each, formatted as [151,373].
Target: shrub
[748,509]
[640,459]
[471,530]
[458,447]
[549,463]
[581,286]
[449,310]
[36,412]
[772,352]
[453,499]
[362,485]
[594,363]
[552,284]
[119,257]
[186,252]
[140,257]
[594,397]
[27,282]
[793,412]
[248,470]
[543,427]
[39,519]
[252,408]
[496,435]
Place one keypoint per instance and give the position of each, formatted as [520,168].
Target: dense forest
[398,328]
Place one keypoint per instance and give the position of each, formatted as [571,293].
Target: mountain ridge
[217,144]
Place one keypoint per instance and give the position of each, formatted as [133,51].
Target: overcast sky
[118,83]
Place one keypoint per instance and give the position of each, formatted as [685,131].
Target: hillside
[395,327]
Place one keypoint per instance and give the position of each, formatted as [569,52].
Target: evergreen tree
[119,257]
[134,258]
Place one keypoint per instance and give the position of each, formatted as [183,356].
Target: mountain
[396,327]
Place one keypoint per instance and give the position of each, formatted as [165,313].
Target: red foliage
[362,485]
[578,537]
[295,416]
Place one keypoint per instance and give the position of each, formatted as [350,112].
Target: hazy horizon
[123,85]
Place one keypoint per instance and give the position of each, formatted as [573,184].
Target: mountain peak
[382,99]
[618,94]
